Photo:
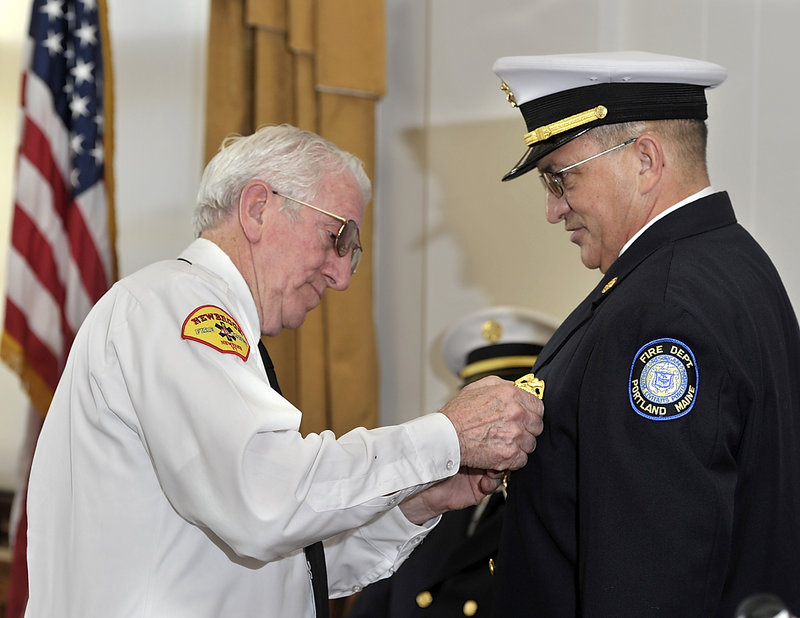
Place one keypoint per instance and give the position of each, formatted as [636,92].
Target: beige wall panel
[489,242]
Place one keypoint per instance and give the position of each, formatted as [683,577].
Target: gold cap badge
[491,331]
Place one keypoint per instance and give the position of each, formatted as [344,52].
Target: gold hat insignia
[509,95]
[491,331]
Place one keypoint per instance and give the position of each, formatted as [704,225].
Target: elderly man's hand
[496,422]
[466,488]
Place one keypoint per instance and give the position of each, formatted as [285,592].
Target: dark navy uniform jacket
[446,576]
[667,479]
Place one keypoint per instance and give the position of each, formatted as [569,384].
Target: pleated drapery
[319,65]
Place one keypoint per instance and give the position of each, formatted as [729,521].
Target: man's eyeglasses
[348,238]
[554,181]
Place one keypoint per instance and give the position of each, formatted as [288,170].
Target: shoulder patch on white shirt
[217,329]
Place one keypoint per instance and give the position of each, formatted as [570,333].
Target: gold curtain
[319,65]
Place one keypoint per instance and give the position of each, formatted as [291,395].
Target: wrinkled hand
[465,488]
[496,422]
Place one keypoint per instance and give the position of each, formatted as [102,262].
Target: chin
[299,317]
[590,262]
[295,323]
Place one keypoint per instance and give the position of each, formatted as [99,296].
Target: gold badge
[217,329]
[532,384]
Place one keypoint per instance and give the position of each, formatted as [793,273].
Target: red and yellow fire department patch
[214,327]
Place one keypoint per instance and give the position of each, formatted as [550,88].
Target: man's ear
[651,159]
[253,209]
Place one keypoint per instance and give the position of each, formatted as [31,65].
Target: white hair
[291,160]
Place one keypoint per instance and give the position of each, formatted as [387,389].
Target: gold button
[470,608]
[424,599]
[491,566]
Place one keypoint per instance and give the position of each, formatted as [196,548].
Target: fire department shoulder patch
[663,380]
[215,328]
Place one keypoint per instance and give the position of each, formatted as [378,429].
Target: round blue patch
[663,380]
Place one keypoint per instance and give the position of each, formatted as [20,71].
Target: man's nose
[555,207]
[337,271]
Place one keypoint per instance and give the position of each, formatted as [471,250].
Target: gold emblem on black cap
[554,128]
[491,331]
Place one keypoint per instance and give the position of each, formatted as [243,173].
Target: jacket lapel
[708,213]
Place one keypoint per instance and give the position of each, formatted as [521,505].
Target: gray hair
[688,137]
[291,160]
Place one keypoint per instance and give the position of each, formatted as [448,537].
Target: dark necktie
[315,553]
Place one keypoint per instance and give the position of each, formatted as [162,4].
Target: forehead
[565,155]
[341,194]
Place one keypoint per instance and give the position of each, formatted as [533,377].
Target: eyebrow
[551,167]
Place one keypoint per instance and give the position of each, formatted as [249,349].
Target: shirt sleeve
[226,448]
[359,557]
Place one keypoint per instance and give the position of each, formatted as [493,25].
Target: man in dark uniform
[448,574]
[667,479]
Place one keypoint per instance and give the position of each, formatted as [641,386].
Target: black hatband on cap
[556,119]
[507,360]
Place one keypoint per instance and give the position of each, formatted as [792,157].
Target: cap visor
[539,150]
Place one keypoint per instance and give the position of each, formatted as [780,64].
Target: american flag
[62,256]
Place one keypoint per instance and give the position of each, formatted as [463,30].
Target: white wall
[450,238]
[159,68]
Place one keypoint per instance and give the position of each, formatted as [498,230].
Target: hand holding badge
[531,384]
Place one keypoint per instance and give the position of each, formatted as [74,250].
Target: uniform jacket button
[424,599]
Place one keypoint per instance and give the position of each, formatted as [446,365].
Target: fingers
[489,484]
[496,422]
[534,419]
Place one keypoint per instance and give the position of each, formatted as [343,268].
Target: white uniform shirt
[170,480]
